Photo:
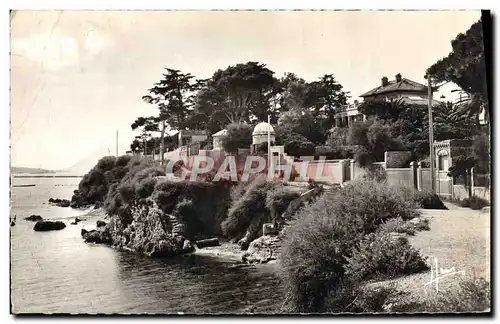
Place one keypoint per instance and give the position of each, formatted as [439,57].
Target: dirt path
[460,238]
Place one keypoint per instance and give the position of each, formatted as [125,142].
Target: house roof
[393,86]
[416,100]
[222,132]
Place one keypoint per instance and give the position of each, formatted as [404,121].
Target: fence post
[472,180]
[352,169]
[452,187]
[413,180]
[342,170]
[467,182]
[419,176]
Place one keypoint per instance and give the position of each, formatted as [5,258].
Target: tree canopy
[465,66]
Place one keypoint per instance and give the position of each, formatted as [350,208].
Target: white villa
[399,88]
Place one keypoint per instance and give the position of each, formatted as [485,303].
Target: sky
[77,77]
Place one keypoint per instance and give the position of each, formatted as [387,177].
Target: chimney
[385,81]
[398,77]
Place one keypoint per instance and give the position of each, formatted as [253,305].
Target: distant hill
[19,170]
[84,165]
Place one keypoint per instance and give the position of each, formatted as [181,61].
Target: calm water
[55,272]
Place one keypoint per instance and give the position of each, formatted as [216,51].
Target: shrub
[374,203]
[278,199]
[376,173]
[375,137]
[327,232]
[95,185]
[474,203]
[379,256]
[251,205]
[238,136]
[429,200]
[398,225]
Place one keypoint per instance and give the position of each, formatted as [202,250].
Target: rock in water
[100,223]
[60,202]
[34,218]
[187,247]
[97,236]
[83,231]
[42,226]
[77,220]
[208,242]
[64,203]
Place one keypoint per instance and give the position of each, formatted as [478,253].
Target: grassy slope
[460,238]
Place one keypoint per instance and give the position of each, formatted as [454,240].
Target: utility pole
[117,143]
[269,144]
[431,136]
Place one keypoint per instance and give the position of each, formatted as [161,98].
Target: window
[441,162]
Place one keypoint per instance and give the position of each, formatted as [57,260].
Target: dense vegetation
[254,204]
[339,240]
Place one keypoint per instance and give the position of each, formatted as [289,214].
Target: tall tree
[465,66]
[238,94]
[324,96]
[451,122]
[146,125]
[172,94]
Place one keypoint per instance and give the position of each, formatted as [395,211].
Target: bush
[376,173]
[95,185]
[374,137]
[135,187]
[474,203]
[238,136]
[398,225]
[316,248]
[429,200]
[250,206]
[278,199]
[379,256]
[335,153]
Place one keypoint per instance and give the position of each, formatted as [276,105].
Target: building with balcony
[400,88]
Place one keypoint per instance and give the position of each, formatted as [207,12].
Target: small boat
[27,185]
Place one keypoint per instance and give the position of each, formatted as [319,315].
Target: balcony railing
[347,107]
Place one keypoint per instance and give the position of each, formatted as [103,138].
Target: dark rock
[243,243]
[98,204]
[100,223]
[83,232]
[64,203]
[12,223]
[208,242]
[269,229]
[41,226]
[97,236]
[77,220]
[60,202]
[34,218]
[187,247]
[261,250]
